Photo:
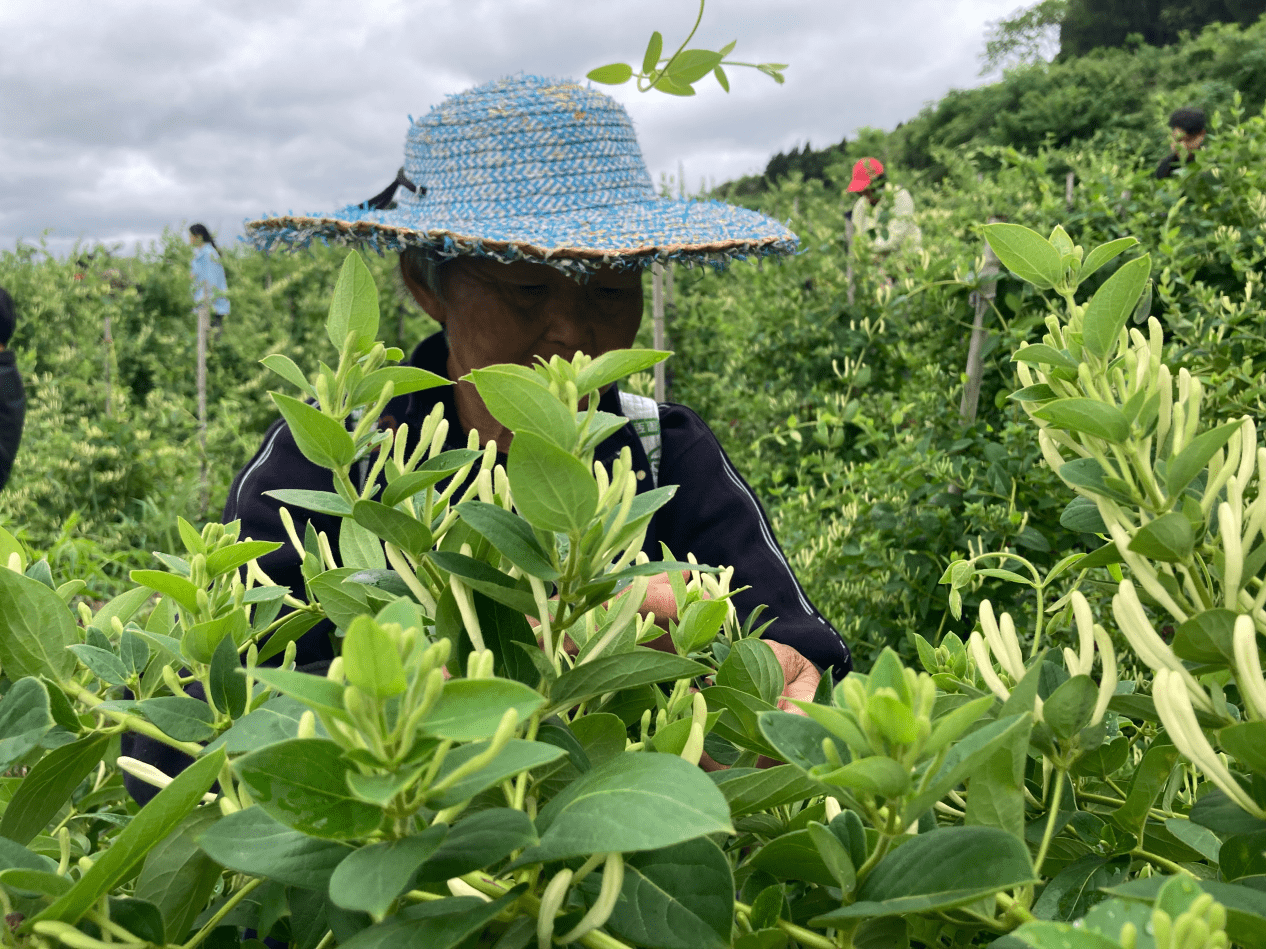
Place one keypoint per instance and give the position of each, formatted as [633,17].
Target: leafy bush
[457,778]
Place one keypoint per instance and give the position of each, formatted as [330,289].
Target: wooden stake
[657,328]
[204,322]
[975,363]
[1068,189]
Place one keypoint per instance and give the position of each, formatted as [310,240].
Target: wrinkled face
[512,313]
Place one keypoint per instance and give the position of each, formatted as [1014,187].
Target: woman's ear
[430,303]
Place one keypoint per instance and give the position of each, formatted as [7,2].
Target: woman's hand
[799,676]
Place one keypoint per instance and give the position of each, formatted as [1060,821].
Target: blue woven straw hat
[529,168]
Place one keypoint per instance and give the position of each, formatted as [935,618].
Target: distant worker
[208,274]
[1187,137]
[12,397]
[883,216]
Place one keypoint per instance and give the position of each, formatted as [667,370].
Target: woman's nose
[570,328]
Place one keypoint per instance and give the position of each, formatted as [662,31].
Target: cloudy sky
[119,118]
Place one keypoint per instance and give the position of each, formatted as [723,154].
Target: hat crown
[524,145]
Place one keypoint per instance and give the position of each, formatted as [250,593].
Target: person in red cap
[883,217]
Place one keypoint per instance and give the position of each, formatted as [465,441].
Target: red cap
[864,172]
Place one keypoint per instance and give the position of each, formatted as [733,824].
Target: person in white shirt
[883,217]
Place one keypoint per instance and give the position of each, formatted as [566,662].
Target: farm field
[1054,734]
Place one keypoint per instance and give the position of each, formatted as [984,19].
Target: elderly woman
[524,218]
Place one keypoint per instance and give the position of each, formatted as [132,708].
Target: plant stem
[1014,908]
[805,936]
[1050,821]
[1162,862]
[219,914]
[132,722]
[673,58]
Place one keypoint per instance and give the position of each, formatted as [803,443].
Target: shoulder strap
[643,414]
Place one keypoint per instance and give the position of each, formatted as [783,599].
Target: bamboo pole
[1069,180]
[657,328]
[108,339]
[979,335]
[848,256]
[204,320]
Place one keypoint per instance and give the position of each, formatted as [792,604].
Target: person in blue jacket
[209,282]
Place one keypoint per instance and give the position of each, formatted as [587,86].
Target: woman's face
[513,313]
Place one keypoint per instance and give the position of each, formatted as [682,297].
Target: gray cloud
[119,119]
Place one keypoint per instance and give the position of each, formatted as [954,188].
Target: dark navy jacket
[713,515]
[12,412]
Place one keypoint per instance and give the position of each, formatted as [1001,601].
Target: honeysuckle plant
[497,759]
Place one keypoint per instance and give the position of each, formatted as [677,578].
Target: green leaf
[752,667]
[134,651]
[661,799]
[478,841]
[1025,253]
[835,856]
[941,869]
[201,640]
[511,535]
[24,719]
[37,882]
[471,709]
[691,65]
[996,788]
[1082,514]
[1087,417]
[1183,467]
[317,692]
[1111,306]
[1169,538]
[285,367]
[123,606]
[627,670]
[250,841]
[35,629]
[405,380]
[612,74]
[303,784]
[228,558]
[179,716]
[432,471]
[1105,253]
[168,584]
[520,400]
[749,791]
[1207,637]
[1242,855]
[48,786]
[1067,710]
[504,630]
[102,663]
[228,685]
[721,78]
[319,502]
[552,489]
[1035,393]
[1200,839]
[678,897]
[396,527]
[1047,935]
[443,924]
[178,877]
[1076,887]
[699,625]
[353,307]
[668,84]
[371,661]
[1149,778]
[793,856]
[1246,742]
[1039,354]
[875,775]
[322,440]
[797,738]
[966,755]
[518,755]
[618,363]
[155,821]
[650,59]
[373,876]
